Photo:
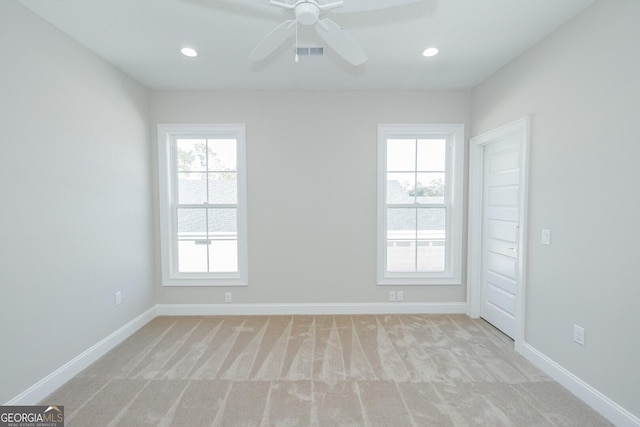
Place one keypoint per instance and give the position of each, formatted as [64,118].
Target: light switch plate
[546,237]
[578,334]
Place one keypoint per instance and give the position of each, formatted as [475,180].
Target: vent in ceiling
[310,51]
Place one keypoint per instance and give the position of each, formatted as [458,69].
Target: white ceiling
[144,37]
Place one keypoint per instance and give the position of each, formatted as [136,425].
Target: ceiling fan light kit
[310,12]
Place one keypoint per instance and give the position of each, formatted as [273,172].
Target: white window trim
[167,133]
[454,134]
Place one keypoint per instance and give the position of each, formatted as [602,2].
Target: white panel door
[500,231]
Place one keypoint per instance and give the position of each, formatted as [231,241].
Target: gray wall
[75,221]
[311,160]
[582,87]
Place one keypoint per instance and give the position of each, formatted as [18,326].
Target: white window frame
[167,171]
[454,136]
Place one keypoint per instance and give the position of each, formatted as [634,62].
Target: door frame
[520,127]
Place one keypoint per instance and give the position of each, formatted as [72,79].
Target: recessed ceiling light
[432,51]
[187,51]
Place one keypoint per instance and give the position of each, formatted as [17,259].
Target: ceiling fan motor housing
[307,13]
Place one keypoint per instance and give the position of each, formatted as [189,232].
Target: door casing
[521,128]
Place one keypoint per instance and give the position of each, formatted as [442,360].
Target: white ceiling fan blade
[341,41]
[243,7]
[369,5]
[273,40]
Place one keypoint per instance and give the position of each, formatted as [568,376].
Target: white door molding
[520,128]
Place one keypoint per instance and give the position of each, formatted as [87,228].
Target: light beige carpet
[387,370]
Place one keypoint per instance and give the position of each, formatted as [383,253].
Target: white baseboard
[317,309]
[592,397]
[57,378]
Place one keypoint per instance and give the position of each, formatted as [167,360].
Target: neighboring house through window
[420,170]
[203,211]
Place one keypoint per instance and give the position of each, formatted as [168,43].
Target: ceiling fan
[311,12]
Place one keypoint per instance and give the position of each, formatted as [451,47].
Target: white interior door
[500,233]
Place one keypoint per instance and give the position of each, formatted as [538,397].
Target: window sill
[203,282]
[419,281]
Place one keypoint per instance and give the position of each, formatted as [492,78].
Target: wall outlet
[400,296]
[227,297]
[118,298]
[578,334]
[392,296]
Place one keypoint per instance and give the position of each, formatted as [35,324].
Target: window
[420,170]
[203,212]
